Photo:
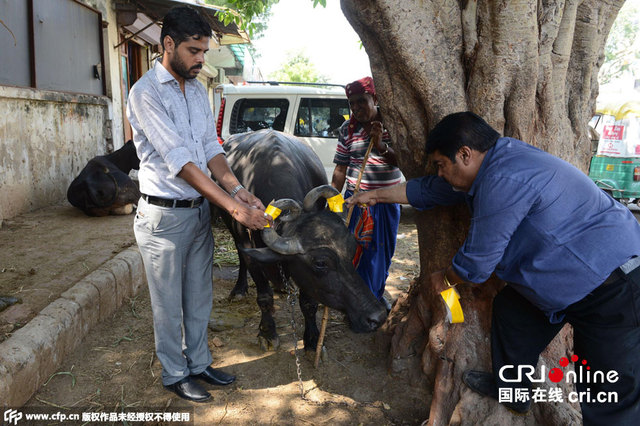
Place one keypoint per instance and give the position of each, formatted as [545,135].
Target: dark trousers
[606,335]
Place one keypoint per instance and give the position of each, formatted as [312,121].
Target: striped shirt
[351,151]
[170,129]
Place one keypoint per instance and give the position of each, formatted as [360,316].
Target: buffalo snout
[369,321]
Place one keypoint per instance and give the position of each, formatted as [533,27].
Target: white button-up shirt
[170,129]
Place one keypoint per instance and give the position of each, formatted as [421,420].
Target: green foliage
[248,15]
[622,51]
[298,68]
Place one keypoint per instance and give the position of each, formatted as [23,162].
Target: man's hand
[362,199]
[247,197]
[390,194]
[376,135]
[249,216]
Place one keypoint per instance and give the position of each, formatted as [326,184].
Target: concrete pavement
[34,352]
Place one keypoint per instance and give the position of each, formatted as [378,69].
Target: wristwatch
[235,190]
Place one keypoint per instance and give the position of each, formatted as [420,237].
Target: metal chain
[292,295]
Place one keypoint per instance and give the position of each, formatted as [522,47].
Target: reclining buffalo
[309,244]
[104,187]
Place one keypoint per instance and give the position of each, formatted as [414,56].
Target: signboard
[613,132]
[619,138]
[611,141]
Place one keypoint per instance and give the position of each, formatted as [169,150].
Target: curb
[34,352]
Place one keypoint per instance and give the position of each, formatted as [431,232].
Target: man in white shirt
[176,141]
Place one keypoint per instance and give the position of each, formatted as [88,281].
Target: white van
[310,112]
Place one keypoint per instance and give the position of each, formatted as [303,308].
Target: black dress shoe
[215,377]
[483,383]
[189,390]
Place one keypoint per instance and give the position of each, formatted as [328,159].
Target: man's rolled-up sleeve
[430,191]
[147,113]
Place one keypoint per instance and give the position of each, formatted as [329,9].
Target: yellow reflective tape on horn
[336,203]
[272,211]
[452,302]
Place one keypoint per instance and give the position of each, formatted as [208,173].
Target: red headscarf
[364,85]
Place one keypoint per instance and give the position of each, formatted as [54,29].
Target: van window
[255,114]
[321,117]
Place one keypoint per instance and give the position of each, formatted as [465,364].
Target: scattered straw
[44,401]
[68,373]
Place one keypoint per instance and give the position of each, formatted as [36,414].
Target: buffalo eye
[320,264]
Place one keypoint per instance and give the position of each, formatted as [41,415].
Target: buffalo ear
[264,254]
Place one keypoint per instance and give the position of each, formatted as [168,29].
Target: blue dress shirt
[537,221]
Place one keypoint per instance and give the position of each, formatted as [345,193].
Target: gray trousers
[177,251]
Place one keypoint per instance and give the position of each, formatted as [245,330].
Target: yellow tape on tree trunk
[272,211]
[452,302]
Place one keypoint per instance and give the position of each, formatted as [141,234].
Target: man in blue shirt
[567,251]
[176,141]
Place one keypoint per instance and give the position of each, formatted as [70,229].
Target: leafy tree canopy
[622,51]
[298,68]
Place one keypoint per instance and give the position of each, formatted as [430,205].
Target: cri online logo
[556,374]
[581,374]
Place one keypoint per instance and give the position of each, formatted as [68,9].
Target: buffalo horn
[325,191]
[291,209]
[277,243]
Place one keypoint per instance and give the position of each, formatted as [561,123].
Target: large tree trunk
[530,69]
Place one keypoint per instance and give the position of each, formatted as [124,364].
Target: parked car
[311,112]
[615,165]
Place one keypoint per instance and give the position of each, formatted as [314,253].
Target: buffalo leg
[267,336]
[309,307]
[242,287]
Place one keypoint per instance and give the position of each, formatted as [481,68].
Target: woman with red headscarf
[374,227]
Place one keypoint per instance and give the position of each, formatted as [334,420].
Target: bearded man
[177,145]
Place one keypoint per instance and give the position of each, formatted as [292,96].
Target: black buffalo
[104,187]
[309,244]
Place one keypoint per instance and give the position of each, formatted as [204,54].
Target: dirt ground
[45,252]
[115,369]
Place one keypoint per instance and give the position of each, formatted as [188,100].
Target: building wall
[112,71]
[47,137]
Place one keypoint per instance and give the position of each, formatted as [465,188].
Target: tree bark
[530,69]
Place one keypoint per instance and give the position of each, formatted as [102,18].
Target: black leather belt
[166,202]
[623,271]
